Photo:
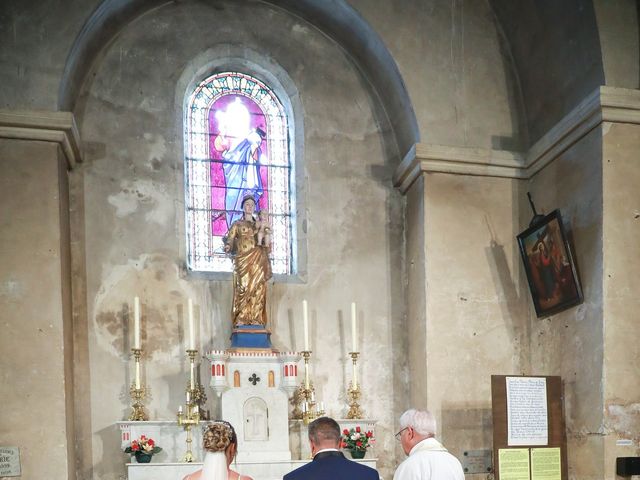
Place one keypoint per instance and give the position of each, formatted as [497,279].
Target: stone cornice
[57,127]
[606,104]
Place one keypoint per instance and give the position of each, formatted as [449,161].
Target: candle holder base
[354,407]
[138,414]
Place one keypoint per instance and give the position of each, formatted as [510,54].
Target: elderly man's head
[415,426]
[324,432]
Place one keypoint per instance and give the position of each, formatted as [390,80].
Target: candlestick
[192,379]
[136,324]
[192,342]
[137,392]
[305,320]
[354,346]
[180,409]
[353,391]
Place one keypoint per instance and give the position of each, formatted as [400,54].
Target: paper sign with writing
[527,422]
[9,462]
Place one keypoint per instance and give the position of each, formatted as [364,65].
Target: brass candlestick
[195,391]
[305,397]
[188,420]
[137,392]
[353,392]
[195,396]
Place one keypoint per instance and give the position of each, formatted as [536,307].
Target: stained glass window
[236,143]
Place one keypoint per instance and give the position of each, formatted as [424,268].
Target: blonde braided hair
[218,436]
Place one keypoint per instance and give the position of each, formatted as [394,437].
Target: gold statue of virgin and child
[249,242]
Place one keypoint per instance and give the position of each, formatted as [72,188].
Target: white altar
[252,389]
[171,437]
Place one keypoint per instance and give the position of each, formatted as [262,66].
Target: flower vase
[357,453]
[142,457]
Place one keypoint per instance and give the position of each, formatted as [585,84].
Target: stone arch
[337,20]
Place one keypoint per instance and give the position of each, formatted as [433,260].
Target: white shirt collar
[427,444]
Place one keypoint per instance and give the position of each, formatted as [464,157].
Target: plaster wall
[619,41]
[570,343]
[457,70]
[35,306]
[621,283]
[133,222]
[416,300]
[475,325]
[556,52]
[455,65]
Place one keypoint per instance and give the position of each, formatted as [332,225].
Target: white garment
[429,460]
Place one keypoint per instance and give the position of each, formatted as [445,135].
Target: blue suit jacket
[332,465]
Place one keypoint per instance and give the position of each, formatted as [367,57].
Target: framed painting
[551,271]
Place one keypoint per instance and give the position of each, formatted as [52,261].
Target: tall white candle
[138,375]
[354,343]
[192,341]
[306,376]
[305,321]
[136,322]
[355,376]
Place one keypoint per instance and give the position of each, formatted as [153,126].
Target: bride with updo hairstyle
[220,445]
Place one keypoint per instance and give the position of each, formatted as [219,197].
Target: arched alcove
[337,20]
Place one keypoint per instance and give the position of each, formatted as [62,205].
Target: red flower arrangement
[143,445]
[356,439]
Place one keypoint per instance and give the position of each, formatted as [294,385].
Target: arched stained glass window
[236,143]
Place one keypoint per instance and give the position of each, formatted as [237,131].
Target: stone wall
[35,300]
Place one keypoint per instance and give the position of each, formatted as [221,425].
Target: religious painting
[551,271]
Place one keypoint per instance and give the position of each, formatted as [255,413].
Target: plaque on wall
[9,462]
[476,461]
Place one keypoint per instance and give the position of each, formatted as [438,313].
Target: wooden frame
[555,419]
[551,271]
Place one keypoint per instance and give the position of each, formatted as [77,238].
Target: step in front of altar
[274,470]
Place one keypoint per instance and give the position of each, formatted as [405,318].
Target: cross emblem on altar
[254,379]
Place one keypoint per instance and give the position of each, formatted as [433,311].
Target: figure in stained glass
[237,144]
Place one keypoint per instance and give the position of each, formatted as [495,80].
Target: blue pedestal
[251,336]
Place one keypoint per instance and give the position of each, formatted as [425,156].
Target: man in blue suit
[328,462]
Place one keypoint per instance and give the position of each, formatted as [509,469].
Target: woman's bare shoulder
[236,476]
[194,476]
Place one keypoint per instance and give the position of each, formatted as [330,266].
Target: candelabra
[353,392]
[187,420]
[305,396]
[195,397]
[137,392]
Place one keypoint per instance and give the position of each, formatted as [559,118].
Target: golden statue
[251,268]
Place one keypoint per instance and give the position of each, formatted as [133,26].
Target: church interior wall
[442,298]
[415,271]
[475,322]
[619,41]
[621,282]
[36,376]
[561,66]
[133,208]
[455,68]
[570,343]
